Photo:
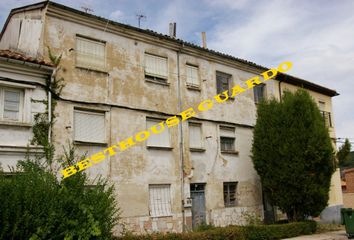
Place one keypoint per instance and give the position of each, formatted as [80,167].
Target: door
[198,203]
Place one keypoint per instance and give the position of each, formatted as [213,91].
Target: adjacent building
[120,80]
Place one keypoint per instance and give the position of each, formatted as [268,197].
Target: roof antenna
[86,8]
[140,17]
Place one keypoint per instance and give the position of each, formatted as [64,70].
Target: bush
[35,205]
[252,232]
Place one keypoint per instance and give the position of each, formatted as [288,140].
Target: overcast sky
[317,36]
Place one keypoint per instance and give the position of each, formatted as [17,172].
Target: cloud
[116,15]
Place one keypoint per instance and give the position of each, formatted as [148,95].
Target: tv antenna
[86,8]
[140,17]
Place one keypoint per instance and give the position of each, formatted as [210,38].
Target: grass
[324,227]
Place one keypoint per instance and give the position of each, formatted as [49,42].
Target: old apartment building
[121,80]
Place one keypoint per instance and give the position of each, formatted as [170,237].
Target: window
[160,200]
[192,75]
[195,135]
[89,127]
[158,140]
[156,67]
[222,82]
[321,105]
[90,53]
[227,139]
[259,92]
[11,102]
[230,194]
[325,115]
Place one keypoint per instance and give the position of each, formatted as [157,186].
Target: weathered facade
[22,92]
[121,80]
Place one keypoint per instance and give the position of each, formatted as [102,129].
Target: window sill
[17,124]
[193,87]
[160,148]
[167,216]
[197,149]
[161,82]
[230,152]
[83,143]
[230,206]
[93,69]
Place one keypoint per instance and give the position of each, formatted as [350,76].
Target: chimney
[204,45]
[173,30]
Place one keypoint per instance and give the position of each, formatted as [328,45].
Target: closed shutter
[90,53]
[89,127]
[158,140]
[12,102]
[192,75]
[195,136]
[160,200]
[156,66]
[30,36]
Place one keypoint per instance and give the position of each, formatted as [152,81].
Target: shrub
[35,205]
[252,232]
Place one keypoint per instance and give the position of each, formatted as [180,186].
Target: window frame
[93,112]
[21,109]
[191,85]
[229,81]
[202,147]
[154,77]
[264,91]
[227,200]
[151,208]
[226,136]
[98,41]
[157,121]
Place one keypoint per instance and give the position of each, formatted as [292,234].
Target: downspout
[50,106]
[279,88]
[181,145]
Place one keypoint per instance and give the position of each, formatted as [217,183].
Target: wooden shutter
[89,126]
[90,53]
[195,136]
[192,75]
[12,103]
[160,200]
[158,140]
[156,66]
[29,40]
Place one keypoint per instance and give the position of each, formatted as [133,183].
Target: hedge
[256,232]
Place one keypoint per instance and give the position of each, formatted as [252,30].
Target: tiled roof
[22,57]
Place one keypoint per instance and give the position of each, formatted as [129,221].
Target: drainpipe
[279,88]
[50,106]
[181,145]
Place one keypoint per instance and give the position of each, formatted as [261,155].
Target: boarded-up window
[230,194]
[156,67]
[90,53]
[11,104]
[195,135]
[227,139]
[89,126]
[160,200]
[259,92]
[222,82]
[158,140]
[192,75]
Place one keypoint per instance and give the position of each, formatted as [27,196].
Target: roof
[282,77]
[348,170]
[21,57]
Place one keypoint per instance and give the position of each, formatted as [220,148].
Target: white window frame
[189,77]
[94,41]
[91,112]
[231,134]
[166,129]
[155,75]
[155,209]
[195,124]
[21,104]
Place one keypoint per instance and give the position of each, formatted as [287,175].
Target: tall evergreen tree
[343,154]
[292,152]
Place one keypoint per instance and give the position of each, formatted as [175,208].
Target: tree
[343,153]
[293,155]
